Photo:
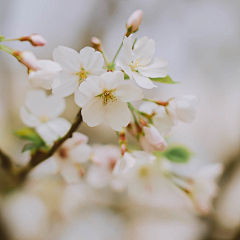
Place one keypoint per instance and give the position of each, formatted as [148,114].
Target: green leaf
[2,38]
[178,154]
[28,134]
[167,80]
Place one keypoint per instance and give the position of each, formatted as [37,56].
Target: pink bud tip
[95,41]
[134,20]
[35,39]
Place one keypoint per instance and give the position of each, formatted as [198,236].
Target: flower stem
[120,47]
[6,49]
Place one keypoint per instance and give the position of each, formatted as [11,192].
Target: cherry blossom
[71,154]
[205,186]
[41,112]
[77,67]
[151,140]
[161,120]
[139,63]
[183,108]
[28,59]
[34,39]
[106,97]
[47,70]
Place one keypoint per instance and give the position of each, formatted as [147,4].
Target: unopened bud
[96,44]
[27,58]
[35,39]
[134,22]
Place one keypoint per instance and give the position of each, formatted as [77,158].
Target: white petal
[158,67]
[34,101]
[90,86]
[65,86]
[129,92]
[80,98]
[68,58]
[127,48]
[70,173]
[142,81]
[125,67]
[117,115]
[148,107]
[54,106]
[124,164]
[48,65]
[29,119]
[80,153]
[86,57]
[53,129]
[144,50]
[113,79]
[93,112]
[96,63]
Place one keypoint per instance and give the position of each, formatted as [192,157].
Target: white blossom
[41,112]
[139,63]
[183,108]
[161,120]
[28,59]
[205,186]
[134,20]
[71,154]
[151,140]
[77,67]
[104,157]
[106,97]
[47,70]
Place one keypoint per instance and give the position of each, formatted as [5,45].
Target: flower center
[143,172]
[43,118]
[138,63]
[108,96]
[82,75]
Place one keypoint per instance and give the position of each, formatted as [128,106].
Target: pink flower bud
[134,21]
[96,43]
[28,59]
[152,140]
[35,39]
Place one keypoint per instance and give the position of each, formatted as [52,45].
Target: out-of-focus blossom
[28,59]
[70,155]
[41,112]
[205,186]
[151,140]
[161,120]
[34,39]
[25,217]
[139,63]
[105,98]
[183,108]
[134,21]
[77,67]
[104,157]
[47,70]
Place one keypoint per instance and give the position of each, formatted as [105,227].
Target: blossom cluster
[111,92]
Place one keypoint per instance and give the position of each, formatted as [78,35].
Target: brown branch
[6,162]
[40,156]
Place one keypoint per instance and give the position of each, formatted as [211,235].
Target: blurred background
[200,39]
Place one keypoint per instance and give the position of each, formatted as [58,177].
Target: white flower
[205,187]
[41,112]
[71,154]
[99,175]
[161,120]
[183,108]
[76,68]
[134,20]
[106,97]
[128,161]
[151,140]
[47,70]
[139,63]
